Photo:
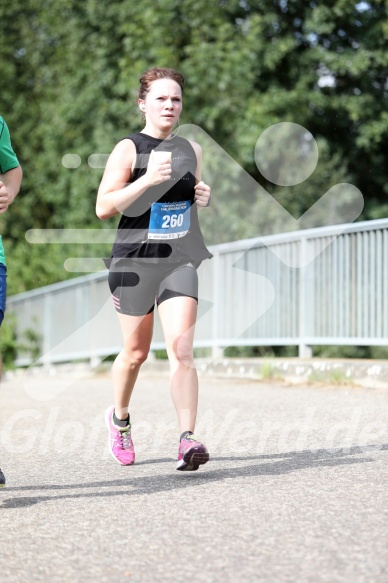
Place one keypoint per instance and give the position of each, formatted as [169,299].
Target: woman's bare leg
[137,333]
[178,316]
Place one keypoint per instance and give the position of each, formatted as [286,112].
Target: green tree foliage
[70,70]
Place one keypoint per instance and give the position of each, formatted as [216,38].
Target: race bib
[169,220]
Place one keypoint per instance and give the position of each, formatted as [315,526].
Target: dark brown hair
[158,73]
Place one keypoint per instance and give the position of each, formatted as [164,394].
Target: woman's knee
[181,350]
[133,358]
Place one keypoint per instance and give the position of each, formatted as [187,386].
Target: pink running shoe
[120,441]
[191,454]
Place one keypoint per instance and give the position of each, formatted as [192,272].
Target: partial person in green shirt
[10,180]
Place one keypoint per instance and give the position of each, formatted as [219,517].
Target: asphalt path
[295,490]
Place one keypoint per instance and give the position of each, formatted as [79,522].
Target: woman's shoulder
[126,144]
[197,149]
[189,145]
[135,138]
[122,154]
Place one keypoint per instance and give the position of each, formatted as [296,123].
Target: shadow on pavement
[284,463]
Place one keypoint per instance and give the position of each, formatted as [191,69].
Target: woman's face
[163,104]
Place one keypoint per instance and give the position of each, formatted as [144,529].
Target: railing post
[47,330]
[216,350]
[305,351]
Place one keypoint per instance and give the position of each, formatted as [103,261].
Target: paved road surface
[296,490]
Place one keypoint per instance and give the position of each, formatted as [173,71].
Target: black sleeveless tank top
[162,224]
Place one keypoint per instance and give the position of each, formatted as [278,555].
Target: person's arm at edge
[10,183]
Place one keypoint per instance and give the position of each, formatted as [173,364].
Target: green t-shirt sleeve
[8,159]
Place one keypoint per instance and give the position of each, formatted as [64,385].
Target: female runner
[152,178]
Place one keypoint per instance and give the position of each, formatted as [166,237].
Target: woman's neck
[156,132]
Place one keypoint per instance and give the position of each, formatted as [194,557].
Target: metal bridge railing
[317,286]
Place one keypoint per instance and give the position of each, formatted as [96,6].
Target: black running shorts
[136,285]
